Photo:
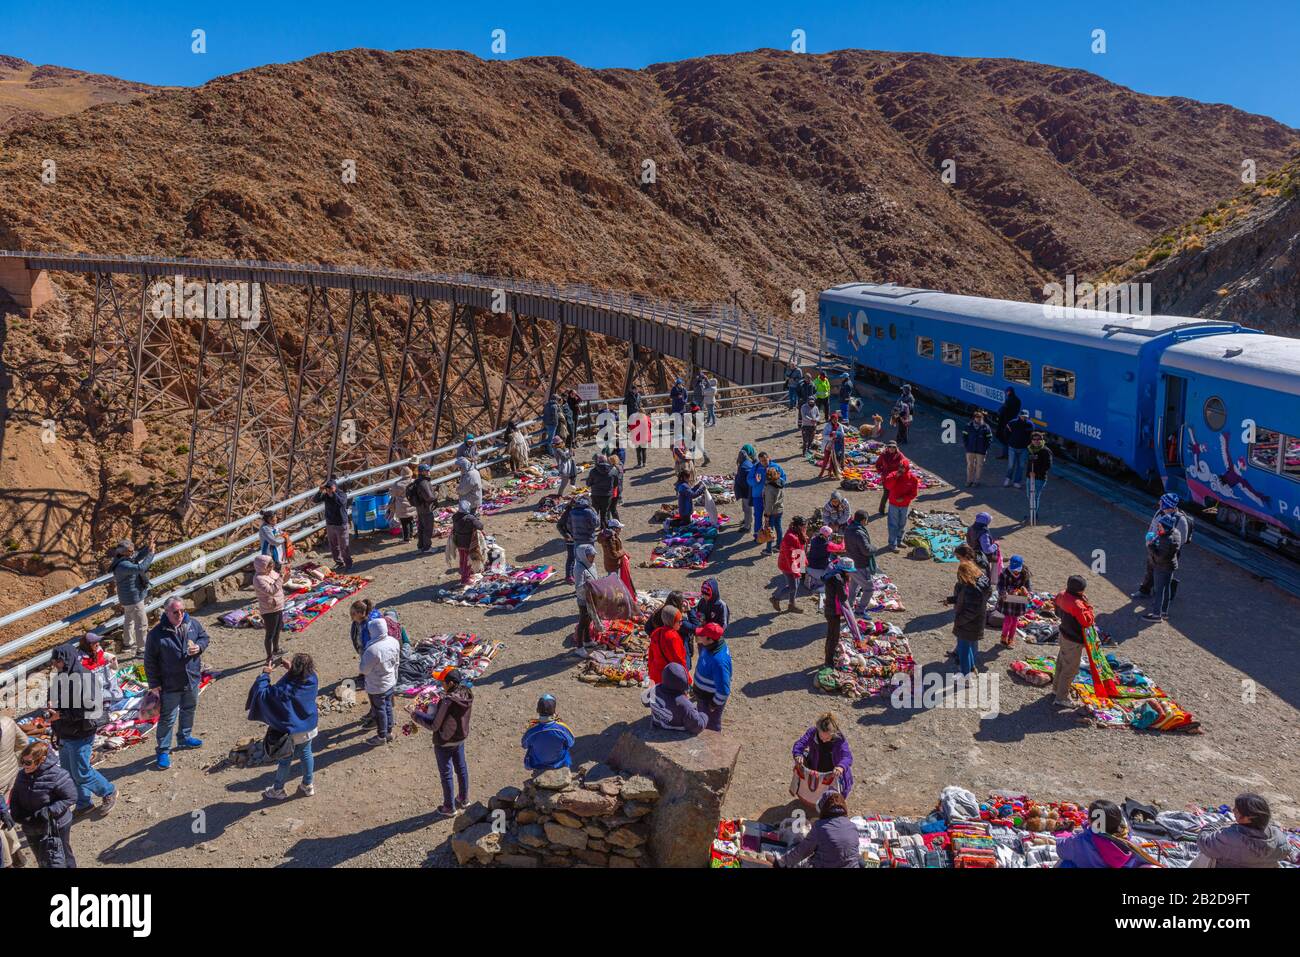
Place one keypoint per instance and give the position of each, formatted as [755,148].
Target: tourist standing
[288,707]
[712,673]
[77,697]
[845,397]
[970,598]
[1168,505]
[885,464]
[1019,433]
[773,507]
[1039,463]
[977,438]
[792,381]
[902,487]
[465,529]
[335,501]
[822,389]
[1008,412]
[400,509]
[666,644]
[578,524]
[1076,617]
[449,724]
[792,562]
[173,665]
[584,573]
[677,396]
[603,485]
[270,539]
[809,418]
[379,661]
[423,496]
[838,607]
[858,548]
[131,582]
[42,803]
[269,586]
[745,461]
[1162,549]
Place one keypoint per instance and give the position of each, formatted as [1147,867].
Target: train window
[1216,414]
[880,332]
[893,331]
[1291,457]
[981,361]
[925,347]
[1016,370]
[1264,450]
[1058,381]
[950,353]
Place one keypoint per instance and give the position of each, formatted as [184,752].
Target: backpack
[1191,523]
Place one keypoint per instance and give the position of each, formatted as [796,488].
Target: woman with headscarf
[823,749]
[666,645]
[289,707]
[470,486]
[745,460]
[832,842]
[970,598]
[516,447]
[400,509]
[981,539]
[584,573]
[838,608]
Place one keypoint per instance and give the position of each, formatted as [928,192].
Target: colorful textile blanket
[303,604]
[424,667]
[866,669]
[885,596]
[721,487]
[939,533]
[508,589]
[688,546]
[859,463]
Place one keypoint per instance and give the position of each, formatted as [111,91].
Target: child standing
[773,507]
[1014,588]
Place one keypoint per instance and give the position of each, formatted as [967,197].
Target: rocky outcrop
[690,777]
[590,817]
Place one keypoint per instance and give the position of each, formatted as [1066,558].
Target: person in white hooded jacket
[470,486]
[379,668]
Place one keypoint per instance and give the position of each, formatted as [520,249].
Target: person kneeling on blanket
[832,842]
[547,741]
[1102,843]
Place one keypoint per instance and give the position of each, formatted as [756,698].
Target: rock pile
[590,817]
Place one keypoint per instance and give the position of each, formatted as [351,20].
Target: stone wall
[589,816]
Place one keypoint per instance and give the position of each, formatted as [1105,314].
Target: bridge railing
[238,553]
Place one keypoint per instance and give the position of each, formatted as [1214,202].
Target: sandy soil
[1229,635]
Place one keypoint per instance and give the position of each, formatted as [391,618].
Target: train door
[1171,424]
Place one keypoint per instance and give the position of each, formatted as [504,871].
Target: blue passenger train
[1208,409]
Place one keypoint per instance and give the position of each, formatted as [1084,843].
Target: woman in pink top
[269,585]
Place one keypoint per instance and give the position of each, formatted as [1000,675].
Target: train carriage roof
[1120,332]
[1269,362]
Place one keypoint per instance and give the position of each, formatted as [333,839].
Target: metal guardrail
[443,472]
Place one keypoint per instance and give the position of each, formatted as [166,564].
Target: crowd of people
[829,558]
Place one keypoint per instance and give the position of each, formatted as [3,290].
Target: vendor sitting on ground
[824,749]
[832,842]
[547,741]
[671,708]
[1101,843]
[1251,842]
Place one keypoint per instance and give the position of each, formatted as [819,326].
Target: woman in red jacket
[792,561]
[901,486]
[666,645]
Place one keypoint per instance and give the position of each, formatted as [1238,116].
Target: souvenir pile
[884,595]
[508,589]
[688,546]
[1038,623]
[1002,831]
[549,507]
[423,667]
[311,591]
[858,469]
[535,479]
[936,532]
[620,658]
[1114,693]
[866,669]
[132,713]
[721,487]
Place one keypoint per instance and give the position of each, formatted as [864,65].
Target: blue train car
[1230,425]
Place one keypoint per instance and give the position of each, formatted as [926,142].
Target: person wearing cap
[1076,616]
[831,843]
[979,538]
[678,395]
[379,663]
[1019,433]
[712,673]
[449,723]
[547,741]
[468,449]
[977,439]
[584,573]
[845,395]
[902,486]
[1014,582]
[884,465]
[1039,464]
[1168,505]
[423,496]
[1162,551]
[822,549]
[335,501]
[79,693]
[173,667]
[131,582]
[838,607]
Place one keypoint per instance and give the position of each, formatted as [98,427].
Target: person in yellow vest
[822,390]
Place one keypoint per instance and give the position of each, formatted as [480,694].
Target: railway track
[1261,562]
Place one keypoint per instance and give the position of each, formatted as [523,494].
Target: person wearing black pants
[269,586]
[272,623]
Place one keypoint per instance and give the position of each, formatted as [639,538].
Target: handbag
[49,847]
[277,745]
[765,535]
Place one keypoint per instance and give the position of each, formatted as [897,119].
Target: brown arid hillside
[30,93]
[1239,261]
[772,172]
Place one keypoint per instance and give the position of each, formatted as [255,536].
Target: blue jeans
[966,655]
[1161,578]
[381,706]
[844,410]
[774,523]
[897,522]
[304,754]
[185,702]
[794,397]
[449,757]
[1019,458]
[569,559]
[711,418]
[550,435]
[74,755]
[1036,498]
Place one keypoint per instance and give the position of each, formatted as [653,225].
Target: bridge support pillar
[28,288]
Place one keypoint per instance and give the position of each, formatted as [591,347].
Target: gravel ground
[1231,635]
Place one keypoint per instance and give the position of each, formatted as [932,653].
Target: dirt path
[373,807]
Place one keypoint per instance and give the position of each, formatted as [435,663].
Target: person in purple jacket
[832,842]
[1101,843]
[671,708]
[823,749]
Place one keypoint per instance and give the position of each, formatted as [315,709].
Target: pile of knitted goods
[938,533]
[1038,624]
[721,487]
[858,468]
[424,667]
[505,589]
[621,656]
[687,546]
[535,479]
[866,669]
[132,713]
[309,593]
[549,507]
[884,595]
[1131,699]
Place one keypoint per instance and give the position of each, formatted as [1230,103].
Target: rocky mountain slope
[30,93]
[771,172]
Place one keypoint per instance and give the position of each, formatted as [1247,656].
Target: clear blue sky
[1247,55]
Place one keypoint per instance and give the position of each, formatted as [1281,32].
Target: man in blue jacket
[173,667]
[335,501]
[976,438]
[678,396]
[757,480]
[547,741]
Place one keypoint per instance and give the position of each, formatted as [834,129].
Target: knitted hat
[1169,500]
[824,531]
[983,518]
[1167,522]
[1016,563]
[1075,584]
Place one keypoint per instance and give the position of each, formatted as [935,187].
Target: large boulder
[479,842]
[691,777]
